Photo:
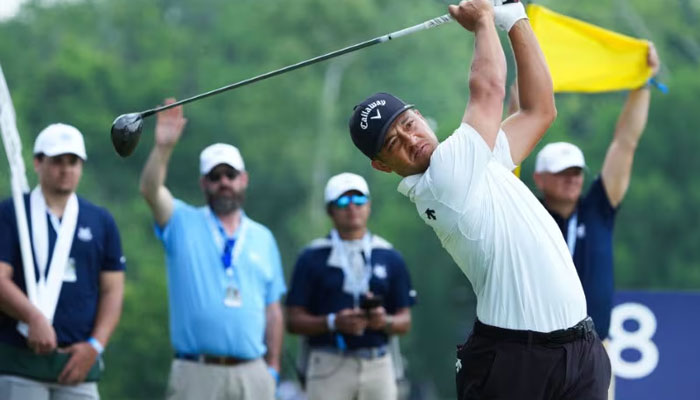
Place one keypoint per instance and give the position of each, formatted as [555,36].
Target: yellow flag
[586,58]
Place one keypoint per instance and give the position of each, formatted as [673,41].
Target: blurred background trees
[85,62]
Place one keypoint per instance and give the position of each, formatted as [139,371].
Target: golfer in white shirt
[532,338]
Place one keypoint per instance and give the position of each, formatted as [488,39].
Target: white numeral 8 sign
[640,340]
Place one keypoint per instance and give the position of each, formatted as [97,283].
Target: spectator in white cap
[350,294]
[224,276]
[51,342]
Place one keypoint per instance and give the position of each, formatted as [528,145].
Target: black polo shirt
[318,287]
[593,254]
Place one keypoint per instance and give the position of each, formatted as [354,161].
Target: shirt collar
[219,225]
[408,183]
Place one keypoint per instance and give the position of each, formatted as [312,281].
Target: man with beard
[224,276]
[78,279]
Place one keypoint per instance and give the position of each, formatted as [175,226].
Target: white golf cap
[342,183]
[220,153]
[57,139]
[556,157]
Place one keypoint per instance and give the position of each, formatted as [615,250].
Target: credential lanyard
[571,233]
[357,285]
[231,247]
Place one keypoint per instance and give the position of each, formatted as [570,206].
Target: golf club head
[126,132]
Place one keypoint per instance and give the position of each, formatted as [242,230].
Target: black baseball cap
[371,120]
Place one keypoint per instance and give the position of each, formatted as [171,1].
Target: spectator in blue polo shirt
[51,339]
[224,276]
[350,292]
[587,221]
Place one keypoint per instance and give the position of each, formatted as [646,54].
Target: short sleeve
[9,241]
[300,287]
[458,165]
[501,151]
[276,287]
[597,198]
[401,289]
[166,234]
[114,259]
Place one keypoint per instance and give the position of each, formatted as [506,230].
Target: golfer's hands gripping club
[169,126]
[471,14]
[506,15]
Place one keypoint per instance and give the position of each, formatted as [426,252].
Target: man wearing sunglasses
[350,293]
[224,276]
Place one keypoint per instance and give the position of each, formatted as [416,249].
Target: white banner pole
[18,178]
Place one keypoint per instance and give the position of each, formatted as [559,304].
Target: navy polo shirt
[593,254]
[96,248]
[318,288]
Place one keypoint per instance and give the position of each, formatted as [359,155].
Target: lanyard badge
[232,296]
[231,251]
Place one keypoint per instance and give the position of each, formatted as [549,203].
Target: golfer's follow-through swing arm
[126,129]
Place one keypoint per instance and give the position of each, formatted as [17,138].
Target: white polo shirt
[499,234]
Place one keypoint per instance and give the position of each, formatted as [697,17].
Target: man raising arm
[532,338]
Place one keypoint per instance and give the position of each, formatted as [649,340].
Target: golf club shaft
[394,35]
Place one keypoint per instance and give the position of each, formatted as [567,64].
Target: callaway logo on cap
[371,120]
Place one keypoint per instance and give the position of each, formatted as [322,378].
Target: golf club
[126,129]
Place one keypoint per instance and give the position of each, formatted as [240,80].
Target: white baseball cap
[220,153]
[342,183]
[57,139]
[556,157]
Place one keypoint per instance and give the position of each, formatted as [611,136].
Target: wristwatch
[389,323]
[330,322]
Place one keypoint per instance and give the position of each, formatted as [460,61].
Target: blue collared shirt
[200,322]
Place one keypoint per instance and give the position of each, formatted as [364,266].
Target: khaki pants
[16,388]
[337,377]
[190,380]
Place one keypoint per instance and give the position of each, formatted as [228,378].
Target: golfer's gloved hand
[506,15]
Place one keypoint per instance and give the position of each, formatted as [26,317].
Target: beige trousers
[16,388]
[336,377]
[191,380]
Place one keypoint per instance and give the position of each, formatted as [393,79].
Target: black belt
[366,353]
[579,331]
[212,359]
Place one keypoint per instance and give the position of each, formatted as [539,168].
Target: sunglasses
[215,176]
[356,199]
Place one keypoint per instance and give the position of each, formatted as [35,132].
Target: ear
[539,180]
[36,164]
[244,178]
[202,183]
[380,166]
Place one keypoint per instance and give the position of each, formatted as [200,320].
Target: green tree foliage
[86,62]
